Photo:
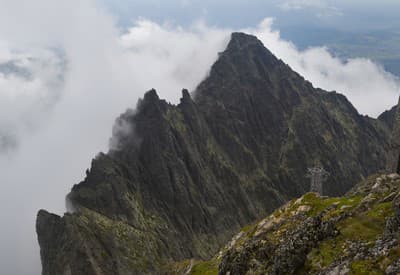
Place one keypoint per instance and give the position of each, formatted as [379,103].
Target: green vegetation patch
[321,257]
[319,204]
[367,226]
[206,268]
[365,267]
[381,211]
[247,228]
[364,228]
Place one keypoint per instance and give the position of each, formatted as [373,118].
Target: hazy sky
[68,68]
[339,14]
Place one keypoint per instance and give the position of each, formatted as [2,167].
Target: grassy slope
[365,211]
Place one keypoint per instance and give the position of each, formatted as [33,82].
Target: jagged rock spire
[393,158]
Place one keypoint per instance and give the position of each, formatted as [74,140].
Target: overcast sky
[69,68]
[340,14]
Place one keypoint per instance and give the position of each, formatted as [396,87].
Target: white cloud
[61,125]
[78,73]
[176,57]
[30,84]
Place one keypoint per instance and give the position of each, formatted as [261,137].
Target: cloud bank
[66,74]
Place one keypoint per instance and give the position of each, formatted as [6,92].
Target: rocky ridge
[182,179]
[354,234]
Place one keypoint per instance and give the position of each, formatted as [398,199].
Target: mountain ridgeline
[182,179]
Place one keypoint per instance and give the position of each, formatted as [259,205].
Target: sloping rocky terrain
[354,234]
[182,179]
[388,117]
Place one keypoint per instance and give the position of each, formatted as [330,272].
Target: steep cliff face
[392,119]
[181,180]
[388,117]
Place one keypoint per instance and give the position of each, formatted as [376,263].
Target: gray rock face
[182,179]
[388,117]
[393,158]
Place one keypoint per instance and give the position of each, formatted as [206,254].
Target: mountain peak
[245,63]
[183,179]
[151,95]
[240,40]
[151,104]
[246,43]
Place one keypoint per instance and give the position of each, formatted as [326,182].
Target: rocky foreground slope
[181,180]
[354,234]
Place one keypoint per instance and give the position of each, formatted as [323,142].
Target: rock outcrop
[181,180]
[354,234]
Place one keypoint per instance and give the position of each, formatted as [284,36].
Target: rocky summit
[181,180]
[354,234]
